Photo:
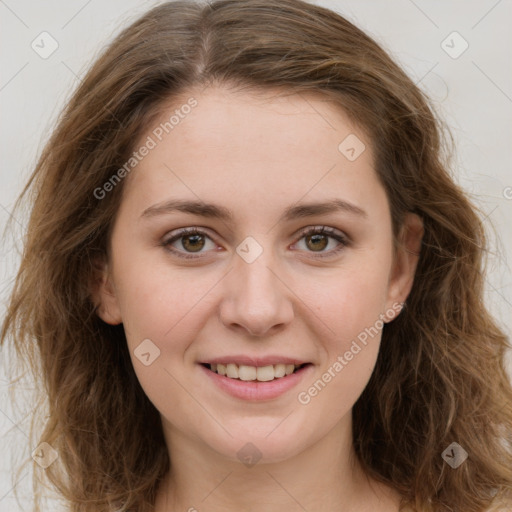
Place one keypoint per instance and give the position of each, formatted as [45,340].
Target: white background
[473,93]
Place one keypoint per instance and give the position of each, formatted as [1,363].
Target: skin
[257,154]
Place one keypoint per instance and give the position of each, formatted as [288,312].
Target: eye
[323,240]
[189,243]
[194,242]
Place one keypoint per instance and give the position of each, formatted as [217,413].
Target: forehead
[257,147]
[268,120]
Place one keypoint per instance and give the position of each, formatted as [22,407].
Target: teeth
[265,373]
[232,371]
[248,373]
[279,370]
[289,369]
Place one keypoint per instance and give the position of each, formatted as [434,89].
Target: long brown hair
[440,375]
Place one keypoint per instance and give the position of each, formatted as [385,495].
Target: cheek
[157,304]
[347,301]
[347,309]
[350,346]
[169,311]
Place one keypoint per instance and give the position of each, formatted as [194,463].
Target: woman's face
[251,284]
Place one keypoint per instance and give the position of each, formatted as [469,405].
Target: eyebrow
[214,211]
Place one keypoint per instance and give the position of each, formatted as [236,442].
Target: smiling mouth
[254,373]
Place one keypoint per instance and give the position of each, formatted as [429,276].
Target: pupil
[317,238]
[196,245]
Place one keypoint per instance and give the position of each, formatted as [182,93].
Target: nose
[256,298]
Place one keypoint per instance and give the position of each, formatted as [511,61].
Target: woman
[237,203]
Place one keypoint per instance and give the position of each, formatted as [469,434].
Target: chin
[259,444]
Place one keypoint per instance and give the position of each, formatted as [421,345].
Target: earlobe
[406,259]
[103,294]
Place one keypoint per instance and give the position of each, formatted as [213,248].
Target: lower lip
[255,390]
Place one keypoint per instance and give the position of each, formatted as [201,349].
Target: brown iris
[193,243]
[319,241]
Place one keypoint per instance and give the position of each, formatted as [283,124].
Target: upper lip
[254,361]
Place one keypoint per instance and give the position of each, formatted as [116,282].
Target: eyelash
[323,230]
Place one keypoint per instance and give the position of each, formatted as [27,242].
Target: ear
[103,293]
[406,259]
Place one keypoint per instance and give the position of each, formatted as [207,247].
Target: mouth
[256,379]
[248,373]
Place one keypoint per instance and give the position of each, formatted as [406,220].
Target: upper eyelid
[180,232]
[202,230]
[321,228]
